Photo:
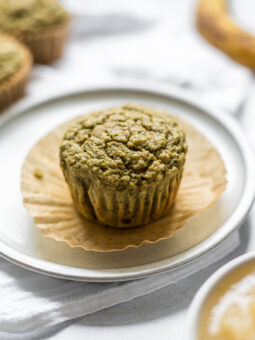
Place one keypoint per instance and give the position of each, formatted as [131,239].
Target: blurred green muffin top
[125,146]
[11,58]
[30,15]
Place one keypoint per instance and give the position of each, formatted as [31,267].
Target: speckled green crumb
[30,15]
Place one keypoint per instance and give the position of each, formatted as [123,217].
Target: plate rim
[229,123]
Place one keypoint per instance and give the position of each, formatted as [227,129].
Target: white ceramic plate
[23,244]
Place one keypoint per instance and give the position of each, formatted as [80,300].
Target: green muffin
[41,24]
[124,165]
[15,64]
[11,59]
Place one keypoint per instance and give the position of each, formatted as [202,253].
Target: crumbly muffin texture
[127,146]
[30,15]
[11,58]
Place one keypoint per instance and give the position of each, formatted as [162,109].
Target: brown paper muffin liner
[124,209]
[15,87]
[47,45]
[47,198]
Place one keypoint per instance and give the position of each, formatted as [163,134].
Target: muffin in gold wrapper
[41,24]
[124,165]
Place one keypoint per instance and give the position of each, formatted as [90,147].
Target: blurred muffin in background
[40,24]
[15,64]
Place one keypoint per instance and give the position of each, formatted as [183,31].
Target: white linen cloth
[119,41]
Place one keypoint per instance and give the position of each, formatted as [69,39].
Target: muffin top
[125,146]
[12,58]
[30,15]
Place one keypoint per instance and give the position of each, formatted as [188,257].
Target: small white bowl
[205,291]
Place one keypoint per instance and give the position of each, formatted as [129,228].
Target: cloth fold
[121,41]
